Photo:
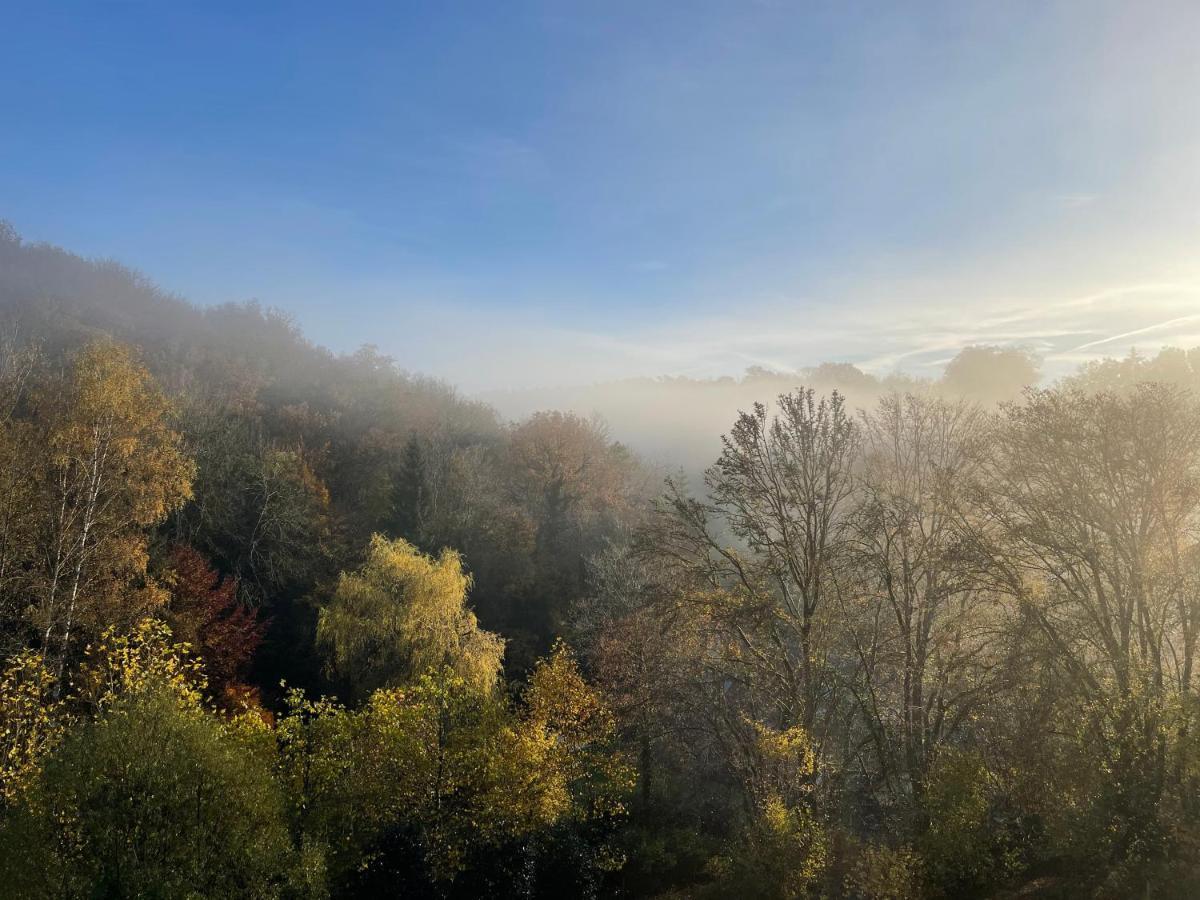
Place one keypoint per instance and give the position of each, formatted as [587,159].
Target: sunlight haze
[523,194]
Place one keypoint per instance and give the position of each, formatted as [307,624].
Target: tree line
[927,650]
[281,623]
[150,747]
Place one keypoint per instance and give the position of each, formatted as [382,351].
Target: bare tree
[764,550]
[921,615]
[1098,495]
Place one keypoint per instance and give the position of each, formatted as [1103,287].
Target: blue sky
[529,193]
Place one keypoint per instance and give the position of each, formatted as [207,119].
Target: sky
[534,193]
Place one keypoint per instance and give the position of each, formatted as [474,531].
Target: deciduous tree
[402,614]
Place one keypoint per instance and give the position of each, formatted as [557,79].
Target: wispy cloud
[907,336]
[1158,326]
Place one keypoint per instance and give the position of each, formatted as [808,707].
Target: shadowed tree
[410,494]
[923,617]
[206,612]
[782,487]
[990,374]
[1098,496]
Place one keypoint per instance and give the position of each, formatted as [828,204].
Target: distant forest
[277,622]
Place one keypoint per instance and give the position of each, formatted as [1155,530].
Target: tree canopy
[281,623]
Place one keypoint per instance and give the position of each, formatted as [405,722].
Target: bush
[957,846]
[884,873]
[156,798]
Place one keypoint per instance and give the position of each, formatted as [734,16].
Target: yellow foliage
[783,853]
[403,614]
[559,698]
[111,466]
[885,873]
[30,721]
[784,848]
[790,748]
[457,765]
[580,729]
[782,763]
[111,404]
[120,664]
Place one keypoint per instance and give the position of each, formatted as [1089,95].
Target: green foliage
[260,508]
[783,850]
[1112,809]
[411,508]
[154,796]
[957,845]
[433,775]
[335,809]
[782,853]
[810,663]
[880,872]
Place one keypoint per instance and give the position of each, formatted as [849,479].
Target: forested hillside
[282,623]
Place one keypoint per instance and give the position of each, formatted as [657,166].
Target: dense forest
[277,622]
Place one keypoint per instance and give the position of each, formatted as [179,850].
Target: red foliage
[205,612]
[238,697]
